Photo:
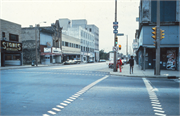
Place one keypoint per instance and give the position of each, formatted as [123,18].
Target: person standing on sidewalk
[131,62]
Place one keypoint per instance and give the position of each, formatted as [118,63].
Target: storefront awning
[43,54]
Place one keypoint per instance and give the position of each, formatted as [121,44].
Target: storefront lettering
[11,46]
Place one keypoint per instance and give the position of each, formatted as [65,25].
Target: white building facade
[79,29]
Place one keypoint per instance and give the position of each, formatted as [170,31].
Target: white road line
[51,112]
[59,106]
[157,108]
[67,102]
[56,109]
[160,114]
[45,115]
[63,104]
[72,97]
[70,100]
[159,111]
[154,99]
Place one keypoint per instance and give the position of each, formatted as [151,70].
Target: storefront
[11,53]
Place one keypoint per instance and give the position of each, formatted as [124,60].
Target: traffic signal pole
[115,34]
[158,40]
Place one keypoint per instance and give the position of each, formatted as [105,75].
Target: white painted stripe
[157,108]
[67,102]
[45,115]
[155,102]
[59,106]
[56,109]
[160,114]
[63,104]
[159,111]
[156,105]
[70,100]
[51,112]
[75,96]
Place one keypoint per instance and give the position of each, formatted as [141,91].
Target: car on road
[90,61]
[70,62]
[102,60]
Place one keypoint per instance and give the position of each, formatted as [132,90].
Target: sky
[98,12]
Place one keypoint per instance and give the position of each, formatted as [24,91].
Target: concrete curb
[126,75]
[20,67]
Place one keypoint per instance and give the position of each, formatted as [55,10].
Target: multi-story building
[11,43]
[71,48]
[49,44]
[169,46]
[86,34]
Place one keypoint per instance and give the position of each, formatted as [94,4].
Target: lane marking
[75,96]
[51,112]
[56,109]
[67,102]
[59,106]
[156,105]
[63,104]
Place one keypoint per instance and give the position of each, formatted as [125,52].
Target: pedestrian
[119,63]
[131,62]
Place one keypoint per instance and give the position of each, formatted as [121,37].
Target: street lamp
[36,27]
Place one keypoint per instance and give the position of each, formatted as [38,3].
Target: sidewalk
[27,66]
[137,72]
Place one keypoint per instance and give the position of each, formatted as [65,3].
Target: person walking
[131,62]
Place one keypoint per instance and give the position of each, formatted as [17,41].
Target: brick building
[11,43]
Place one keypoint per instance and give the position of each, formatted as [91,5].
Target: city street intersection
[85,89]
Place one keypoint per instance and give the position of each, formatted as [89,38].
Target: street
[85,89]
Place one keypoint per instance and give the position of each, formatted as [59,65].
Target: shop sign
[47,50]
[56,50]
[11,46]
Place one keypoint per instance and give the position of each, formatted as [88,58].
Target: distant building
[169,46]
[11,43]
[87,34]
[49,44]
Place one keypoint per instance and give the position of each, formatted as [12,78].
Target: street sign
[115,22]
[115,31]
[120,34]
[115,48]
[115,27]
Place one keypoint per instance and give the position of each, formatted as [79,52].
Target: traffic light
[161,34]
[154,33]
[116,40]
[119,47]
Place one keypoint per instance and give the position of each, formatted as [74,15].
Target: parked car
[90,61]
[70,62]
[102,60]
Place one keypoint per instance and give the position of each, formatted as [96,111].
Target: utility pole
[158,40]
[115,34]
[36,44]
[127,45]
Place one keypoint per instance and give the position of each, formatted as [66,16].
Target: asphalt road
[85,89]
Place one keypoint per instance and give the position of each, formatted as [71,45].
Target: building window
[13,37]
[90,30]
[66,43]
[3,34]
[69,44]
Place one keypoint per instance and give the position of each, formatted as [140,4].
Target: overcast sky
[98,12]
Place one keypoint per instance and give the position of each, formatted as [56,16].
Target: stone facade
[29,45]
